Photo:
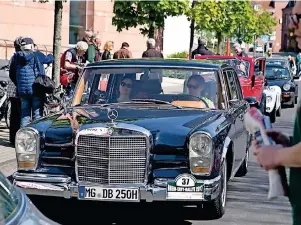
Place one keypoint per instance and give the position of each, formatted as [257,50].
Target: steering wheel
[192,97]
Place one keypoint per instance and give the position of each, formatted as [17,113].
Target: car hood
[165,124]
[278,83]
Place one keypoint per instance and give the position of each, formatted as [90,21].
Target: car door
[238,109]
[258,76]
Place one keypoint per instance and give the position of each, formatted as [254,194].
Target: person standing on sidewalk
[151,51]
[109,45]
[288,151]
[123,52]
[25,67]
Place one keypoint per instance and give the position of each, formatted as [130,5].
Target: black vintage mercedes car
[278,75]
[132,134]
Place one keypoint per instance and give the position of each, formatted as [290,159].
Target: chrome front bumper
[63,186]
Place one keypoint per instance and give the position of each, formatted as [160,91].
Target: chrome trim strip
[156,66]
[56,157]
[55,165]
[42,177]
[59,145]
[37,136]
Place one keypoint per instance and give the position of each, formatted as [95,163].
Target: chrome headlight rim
[206,134]
[287,87]
[37,137]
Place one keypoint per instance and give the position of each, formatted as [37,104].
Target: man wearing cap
[201,49]
[24,69]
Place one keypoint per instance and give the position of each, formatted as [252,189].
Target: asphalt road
[247,203]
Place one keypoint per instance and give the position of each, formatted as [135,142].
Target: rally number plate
[108,194]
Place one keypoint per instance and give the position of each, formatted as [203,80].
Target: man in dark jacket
[201,49]
[151,52]
[24,69]
[123,52]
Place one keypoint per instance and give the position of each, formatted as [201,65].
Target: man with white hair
[239,51]
[72,60]
[151,51]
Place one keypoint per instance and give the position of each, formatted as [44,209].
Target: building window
[77,20]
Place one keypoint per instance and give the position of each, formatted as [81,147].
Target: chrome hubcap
[224,185]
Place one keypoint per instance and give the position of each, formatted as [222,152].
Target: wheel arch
[228,153]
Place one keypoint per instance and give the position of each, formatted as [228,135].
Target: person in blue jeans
[24,69]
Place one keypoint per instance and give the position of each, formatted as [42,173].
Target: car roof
[145,62]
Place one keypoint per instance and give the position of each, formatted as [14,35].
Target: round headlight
[26,140]
[200,145]
[269,99]
[286,87]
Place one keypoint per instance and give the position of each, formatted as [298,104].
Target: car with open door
[141,138]
[250,73]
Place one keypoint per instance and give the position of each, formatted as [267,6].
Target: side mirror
[252,102]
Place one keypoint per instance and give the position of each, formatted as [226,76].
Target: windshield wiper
[146,101]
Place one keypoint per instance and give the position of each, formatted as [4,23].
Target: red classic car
[251,74]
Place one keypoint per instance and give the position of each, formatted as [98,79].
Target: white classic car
[273,102]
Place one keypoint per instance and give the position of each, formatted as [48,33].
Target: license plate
[108,194]
[185,187]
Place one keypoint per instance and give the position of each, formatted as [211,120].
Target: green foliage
[148,14]
[265,24]
[232,18]
[177,55]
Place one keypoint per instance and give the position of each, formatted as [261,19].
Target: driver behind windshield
[125,89]
[195,85]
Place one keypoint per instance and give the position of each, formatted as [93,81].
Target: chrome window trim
[132,127]
[212,153]
[38,138]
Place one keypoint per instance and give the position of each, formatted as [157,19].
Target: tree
[58,14]
[265,23]
[217,16]
[148,14]
[57,33]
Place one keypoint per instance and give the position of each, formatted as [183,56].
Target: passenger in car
[195,87]
[125,89]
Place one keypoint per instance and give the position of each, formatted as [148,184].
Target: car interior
[149,86]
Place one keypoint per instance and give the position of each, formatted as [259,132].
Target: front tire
[278,112]
[273,115]
[243,169]
[215,209]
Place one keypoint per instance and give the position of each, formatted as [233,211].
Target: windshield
[277,73]
[241,66]
[8,199]
[168,85]
[277,63]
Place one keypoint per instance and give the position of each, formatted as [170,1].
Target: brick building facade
[34,19]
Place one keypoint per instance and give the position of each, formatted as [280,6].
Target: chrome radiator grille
[111,159]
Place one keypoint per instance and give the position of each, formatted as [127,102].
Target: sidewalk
[8,163]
